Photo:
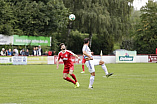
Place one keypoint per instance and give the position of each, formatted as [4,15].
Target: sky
[139,3]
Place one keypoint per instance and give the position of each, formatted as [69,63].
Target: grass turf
[43,84]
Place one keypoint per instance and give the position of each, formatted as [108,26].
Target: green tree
[120,12]
[76,42]
[102,42]
[7,19]
[91,15]
[128,40]
[99,16]
[146,35]
[38,18]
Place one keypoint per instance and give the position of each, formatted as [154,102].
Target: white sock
[104,68]
[91,81]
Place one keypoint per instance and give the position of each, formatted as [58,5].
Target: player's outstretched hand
[57,67]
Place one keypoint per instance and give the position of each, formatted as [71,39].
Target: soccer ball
[72,17]
[85,57]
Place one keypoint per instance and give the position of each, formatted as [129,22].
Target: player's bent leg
[71,72]
[74,77]
[103,66]
[65,77]
[105,69]
[91,80]
[101,62]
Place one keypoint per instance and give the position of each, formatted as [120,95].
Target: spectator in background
[49,53]
[20,52]
[3,53]
[53,53]
[16,52]
[6,52]
[34,51]
[13,53]
[40,50]
[27,52]
[46,53]
[9,52]
[23,52]
[37,52]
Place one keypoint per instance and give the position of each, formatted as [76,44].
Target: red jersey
[66,57]
[49,53]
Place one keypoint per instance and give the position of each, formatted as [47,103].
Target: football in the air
[72,17]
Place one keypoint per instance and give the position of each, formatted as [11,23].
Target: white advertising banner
[6,39]
[142,59]
[50,60]
[19,60]
[126,56]
[109,59]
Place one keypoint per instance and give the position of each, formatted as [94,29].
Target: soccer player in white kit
[90,63]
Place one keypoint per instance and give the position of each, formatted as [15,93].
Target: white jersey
[90,63]
[87,50]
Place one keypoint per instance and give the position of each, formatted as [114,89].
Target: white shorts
[90,65]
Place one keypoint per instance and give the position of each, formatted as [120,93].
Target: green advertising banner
[126,56]
[6,60]
[31,40]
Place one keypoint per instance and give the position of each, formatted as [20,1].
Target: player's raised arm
[57,62]
[74,54]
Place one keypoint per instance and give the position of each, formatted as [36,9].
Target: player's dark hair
[61,45]
[86,40]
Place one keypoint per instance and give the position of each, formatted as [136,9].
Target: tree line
[105,22]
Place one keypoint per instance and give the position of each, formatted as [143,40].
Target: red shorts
[83,60]
[67,69]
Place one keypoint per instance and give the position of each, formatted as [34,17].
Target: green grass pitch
[43,84]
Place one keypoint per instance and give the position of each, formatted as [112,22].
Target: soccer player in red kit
[65,55]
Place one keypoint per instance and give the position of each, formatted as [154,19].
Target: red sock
[74,77]
[83,67]
[70,80]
